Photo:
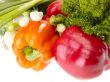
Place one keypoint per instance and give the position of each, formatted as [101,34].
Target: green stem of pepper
[31,54]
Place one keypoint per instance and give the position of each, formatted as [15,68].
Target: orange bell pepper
[33,45]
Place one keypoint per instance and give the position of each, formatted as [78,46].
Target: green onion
[4,19]
[11,3]
[9,9]
[12,26]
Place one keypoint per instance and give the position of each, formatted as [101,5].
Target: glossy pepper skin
[81,55]
[53,9]
[39,36]
[107,64]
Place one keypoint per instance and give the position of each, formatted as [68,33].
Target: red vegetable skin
[53,9]
[107,64]
[109,51]
[81,55]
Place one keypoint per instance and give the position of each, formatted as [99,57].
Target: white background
[10,71]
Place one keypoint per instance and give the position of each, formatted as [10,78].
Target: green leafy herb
[93,16]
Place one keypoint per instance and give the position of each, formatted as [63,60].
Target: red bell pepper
[53,9]
[81,55]
[107,64]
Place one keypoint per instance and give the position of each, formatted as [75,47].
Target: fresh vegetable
[60,28]
[109,51]
[80,54]
[33,45]
[23,21]
[84,20]
[91,25]
[36,16]
[54,20]
[107,66]
[15,8]
[7,40]
[93,16]
[102,30]
[83,48]
[53,9]
[94,7]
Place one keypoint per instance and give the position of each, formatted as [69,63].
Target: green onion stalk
[10,9]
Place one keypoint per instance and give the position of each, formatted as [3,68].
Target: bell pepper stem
[31,54]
